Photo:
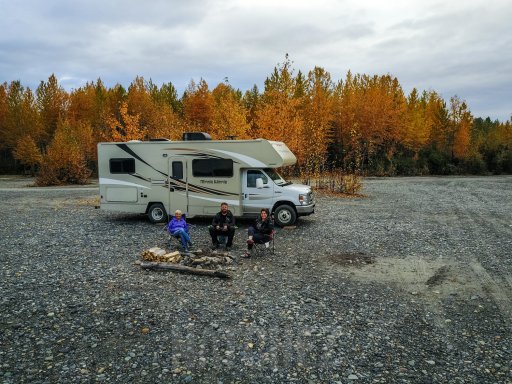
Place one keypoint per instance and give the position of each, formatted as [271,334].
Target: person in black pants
[223,224]
[260,232]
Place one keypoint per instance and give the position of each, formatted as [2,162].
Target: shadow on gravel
[357,259]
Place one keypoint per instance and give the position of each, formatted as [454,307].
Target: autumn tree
[21,118]
[4,111]
[52,102]
[198,106]
[141,104]
[416,128]
[370,114]
[345,127]
[279,117]
[81,105]
[493,141]
[461,122]
[363,122]
[166,111]
[317,112]
[252,101]
[65,161]
[437,115]
[166,95]
[125,127]
[27,153]
[229,115]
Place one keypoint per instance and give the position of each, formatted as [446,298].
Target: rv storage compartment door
[121,194]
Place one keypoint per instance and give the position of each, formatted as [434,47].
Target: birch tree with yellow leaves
[198,107]
[317,118]
[229,118]
[279,115]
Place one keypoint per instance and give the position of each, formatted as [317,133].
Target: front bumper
[305,210]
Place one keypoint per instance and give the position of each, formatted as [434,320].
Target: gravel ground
[409,284]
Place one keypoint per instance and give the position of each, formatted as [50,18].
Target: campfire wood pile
[196,262]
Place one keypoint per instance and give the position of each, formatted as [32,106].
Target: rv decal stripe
[201,155]
[196,189]
[244,158]
[105,181]
[140,177]
[128,150]
[174,184]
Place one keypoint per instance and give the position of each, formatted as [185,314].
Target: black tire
[285,215]
[157,213]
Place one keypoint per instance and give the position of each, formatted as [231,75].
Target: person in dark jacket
[178,228]
[261,231]
[223,224]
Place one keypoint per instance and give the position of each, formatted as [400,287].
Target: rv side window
[177,170]
[212,168]
[122,165]
[252,175]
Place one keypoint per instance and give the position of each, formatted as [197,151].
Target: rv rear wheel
[157,213]
[284,215]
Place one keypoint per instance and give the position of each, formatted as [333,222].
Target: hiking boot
[246,255]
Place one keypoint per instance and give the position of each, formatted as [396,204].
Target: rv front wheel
[157,214]
[285,215]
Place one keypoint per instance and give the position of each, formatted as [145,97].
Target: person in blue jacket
[178,228]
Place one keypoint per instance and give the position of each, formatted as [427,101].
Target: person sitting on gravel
[178,228]
[261,231]
[223,224]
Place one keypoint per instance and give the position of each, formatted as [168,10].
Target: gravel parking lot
[411,283]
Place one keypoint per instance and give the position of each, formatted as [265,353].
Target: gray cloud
[450,47]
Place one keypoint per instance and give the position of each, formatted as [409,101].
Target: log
[208,260]
[154,266]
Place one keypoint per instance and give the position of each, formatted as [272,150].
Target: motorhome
[196,174]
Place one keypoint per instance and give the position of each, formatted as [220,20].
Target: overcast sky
[453,47]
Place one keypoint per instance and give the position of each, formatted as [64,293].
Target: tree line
[364,125]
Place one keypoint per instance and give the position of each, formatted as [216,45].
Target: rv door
[257,191]
[178,185]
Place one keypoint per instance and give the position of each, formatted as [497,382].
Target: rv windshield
[276,177]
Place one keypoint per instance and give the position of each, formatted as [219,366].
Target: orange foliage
[65,161]
[460,132]
[125,128]
[166,124]
[229,118]
[198,106]
[52,102]
[317,112]
[20,117]
[27,153]
[355,121]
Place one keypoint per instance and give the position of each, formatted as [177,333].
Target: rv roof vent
[159,139]
[187,136]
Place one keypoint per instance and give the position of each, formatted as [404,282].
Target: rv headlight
[306,198]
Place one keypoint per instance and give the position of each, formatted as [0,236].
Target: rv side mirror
[259,183]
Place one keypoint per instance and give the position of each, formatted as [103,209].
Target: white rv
[197,174]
